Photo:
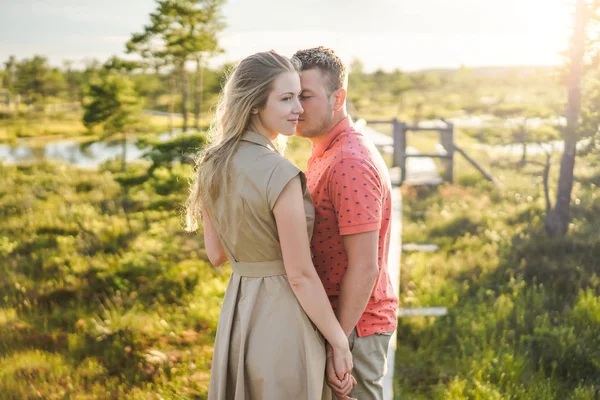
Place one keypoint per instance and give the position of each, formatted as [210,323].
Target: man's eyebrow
[306,90]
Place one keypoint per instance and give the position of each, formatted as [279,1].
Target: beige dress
[266,346]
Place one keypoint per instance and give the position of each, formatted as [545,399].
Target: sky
[387,34]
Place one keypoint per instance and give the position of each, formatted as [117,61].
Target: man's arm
[357,196]
[359,279]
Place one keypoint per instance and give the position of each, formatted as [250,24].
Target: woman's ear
[254,111]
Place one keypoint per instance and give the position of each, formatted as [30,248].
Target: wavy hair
[247,87]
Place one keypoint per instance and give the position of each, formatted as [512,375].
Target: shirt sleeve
[281,175]
[356,191]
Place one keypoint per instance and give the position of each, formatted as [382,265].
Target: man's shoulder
[358,153]
[355,147]
[353,142]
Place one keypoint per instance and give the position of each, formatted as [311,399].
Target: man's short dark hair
[327,62]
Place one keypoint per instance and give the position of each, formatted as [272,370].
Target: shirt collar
[257,138]
[319,149]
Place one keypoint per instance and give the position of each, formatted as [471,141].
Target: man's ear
[339,99]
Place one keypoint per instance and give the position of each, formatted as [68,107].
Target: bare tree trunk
[417,116]
[557,222]
[171,101]
[198,91]
[185,92]
[17,104]
[524,155]
[523,137]
[124,146]
[155,93]
[546,186]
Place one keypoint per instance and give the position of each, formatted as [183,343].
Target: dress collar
[257,138]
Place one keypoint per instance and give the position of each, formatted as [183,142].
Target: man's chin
[302,132]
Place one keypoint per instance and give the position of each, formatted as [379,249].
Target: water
[73,152]
[533,148]
[91,156]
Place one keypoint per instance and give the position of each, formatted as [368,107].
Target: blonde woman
[258,214]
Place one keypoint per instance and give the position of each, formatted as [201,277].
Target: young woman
[256,209]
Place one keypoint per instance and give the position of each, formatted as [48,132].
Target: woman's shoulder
[251,157]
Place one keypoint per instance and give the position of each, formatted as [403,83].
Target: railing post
[399,133]
[447,142]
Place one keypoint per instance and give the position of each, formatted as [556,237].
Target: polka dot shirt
[350,186]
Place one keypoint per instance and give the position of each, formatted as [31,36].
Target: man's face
[317,104]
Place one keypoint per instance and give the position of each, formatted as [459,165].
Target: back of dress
[266,347]
[244,215]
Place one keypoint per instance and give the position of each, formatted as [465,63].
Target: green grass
[524,310]
[51,126]
[104,296]
[37,125]
[96,301]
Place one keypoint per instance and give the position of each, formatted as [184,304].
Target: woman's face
[280,113]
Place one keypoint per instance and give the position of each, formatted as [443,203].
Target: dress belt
[262,269]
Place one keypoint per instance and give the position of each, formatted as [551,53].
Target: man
[351,190]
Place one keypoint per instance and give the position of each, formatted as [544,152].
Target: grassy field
[104,296]
[53,126]
[524,310]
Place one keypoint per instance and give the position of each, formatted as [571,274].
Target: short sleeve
[356,192]
[281,175]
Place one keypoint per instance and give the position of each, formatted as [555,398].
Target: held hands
[339,371]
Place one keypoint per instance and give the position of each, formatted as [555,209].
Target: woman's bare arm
[214,248]
[301,273]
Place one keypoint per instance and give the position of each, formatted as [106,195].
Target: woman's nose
[298,109]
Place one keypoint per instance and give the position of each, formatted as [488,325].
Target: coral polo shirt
[351,190]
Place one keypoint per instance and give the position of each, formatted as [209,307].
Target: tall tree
[74,81]
[9,78]
[120,66]
[151,47]
[519,115]
[557,221]
[112,103]
[207,22]
[181,31]
[32,78]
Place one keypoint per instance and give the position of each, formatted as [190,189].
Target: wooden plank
[429,155]
[378,139]
[421,171]
[425,248]
[379,121]
[479,168]
[414,128]
[394,259]
[423,312]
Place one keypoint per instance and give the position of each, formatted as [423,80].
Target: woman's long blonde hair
[247,87]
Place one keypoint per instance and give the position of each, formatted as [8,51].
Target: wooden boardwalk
[420,171]
[394,259]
